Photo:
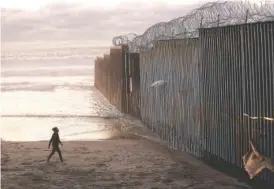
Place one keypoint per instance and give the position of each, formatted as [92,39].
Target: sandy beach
[118,155]
[116,163]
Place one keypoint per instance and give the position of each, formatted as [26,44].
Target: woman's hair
[55,129]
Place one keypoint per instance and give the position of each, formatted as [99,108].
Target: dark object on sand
[55,141]
[254,163]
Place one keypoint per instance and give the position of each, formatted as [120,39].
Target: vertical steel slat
[256,80]
[235,81]
[218,66]
[250,90]
[232,108]
[225,130]
[215,96]
[270,56]
[247,84]
[207,93]
[211,102]
[235,111]
[261,65]
[221,86]
[265,95]
[254,76]
[228,94]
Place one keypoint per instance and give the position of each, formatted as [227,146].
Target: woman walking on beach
[55,140]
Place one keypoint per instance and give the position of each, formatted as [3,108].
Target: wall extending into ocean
[208,95]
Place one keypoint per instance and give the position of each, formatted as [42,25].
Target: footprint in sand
[85,152]
[49,165]
[83,148]
[27,163]
[34,162]
[38,161]
[100,165]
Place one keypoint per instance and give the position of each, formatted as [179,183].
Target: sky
[34,5]
[94,22]
[83,22]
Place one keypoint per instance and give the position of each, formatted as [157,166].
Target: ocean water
[43,89]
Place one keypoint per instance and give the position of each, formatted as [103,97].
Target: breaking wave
[27,86]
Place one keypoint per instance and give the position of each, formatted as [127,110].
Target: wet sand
[116,163]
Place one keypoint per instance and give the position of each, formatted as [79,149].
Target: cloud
[78,22]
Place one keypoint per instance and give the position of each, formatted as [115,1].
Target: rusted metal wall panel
[172,108]
[109,76]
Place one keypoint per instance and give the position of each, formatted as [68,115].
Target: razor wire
[213,14]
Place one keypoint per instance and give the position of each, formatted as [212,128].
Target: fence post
[218,21]
[246,16]
[201,23]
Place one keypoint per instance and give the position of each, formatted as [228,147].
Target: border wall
[214,93]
